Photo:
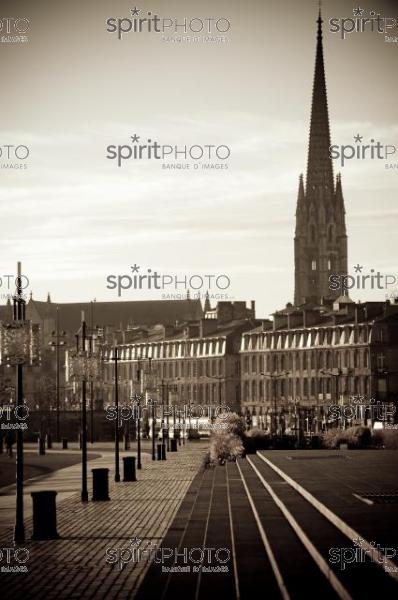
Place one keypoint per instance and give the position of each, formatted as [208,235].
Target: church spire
[320,243]
[300,197]
[319,167]
[207,306]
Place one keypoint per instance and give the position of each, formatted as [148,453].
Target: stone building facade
[194,363]
[319,356]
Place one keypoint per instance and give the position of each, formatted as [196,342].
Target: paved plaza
[298,524]
[142,509]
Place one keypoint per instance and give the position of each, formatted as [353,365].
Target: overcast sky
[73,217]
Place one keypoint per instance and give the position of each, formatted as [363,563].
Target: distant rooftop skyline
[73,217]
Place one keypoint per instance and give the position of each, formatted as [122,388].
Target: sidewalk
[76,565]
[66,480]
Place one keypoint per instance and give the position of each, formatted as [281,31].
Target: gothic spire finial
[319,167]
[301,193]
[320,21]
[207,305]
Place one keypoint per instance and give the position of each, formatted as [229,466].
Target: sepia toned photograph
[199,300]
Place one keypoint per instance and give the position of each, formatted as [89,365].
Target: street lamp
[165,426]
[19,347]
[274,377]
[334,373]
[138,397]
[115,359]
[138,401]
[84,367]
[153,429]
[173,387]
[219,378]
[57,344]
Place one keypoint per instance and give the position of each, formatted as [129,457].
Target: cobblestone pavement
[76,565]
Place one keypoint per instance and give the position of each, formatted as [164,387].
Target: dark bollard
[159,447]
[44,516]
[163,451]
[100,484]
[49,441]
[173,445]
[64,443]
[129,468]
[41,445]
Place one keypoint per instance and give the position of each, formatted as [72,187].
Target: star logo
[135,269]
[135,542]
[358,138]
[358,398]
[358,542]
[358,11]
[135,11]
[135,138]
[358,268]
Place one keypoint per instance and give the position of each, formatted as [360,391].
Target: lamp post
[296,403]
[144,393]
[153,430]
[19,316]
[57,344]
[165,426]
[84,367]
[115,359]
[174,388]
[19,348]
[139,465]
[177,414]
[151,374]
[219,378]
[274,377]
[137,419]
[189,410]
[91,382]
[168,417]
[84,491]
[334,374]
[90,342]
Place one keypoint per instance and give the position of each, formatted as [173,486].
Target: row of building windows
[306,388]
[305,360]
[172,369]
[178,394]
[175,349]
[306,338]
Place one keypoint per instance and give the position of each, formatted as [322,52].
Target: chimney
[207,326]
[224,311]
